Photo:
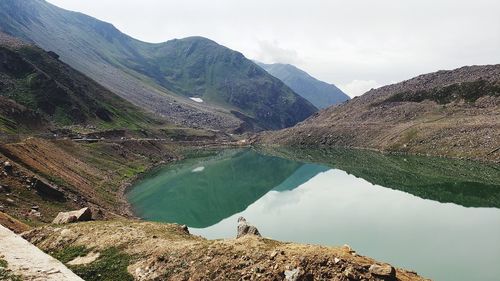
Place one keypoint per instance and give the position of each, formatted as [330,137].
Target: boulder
[245,229]
[386,270]
[7,167]
[47,190]
[68,217]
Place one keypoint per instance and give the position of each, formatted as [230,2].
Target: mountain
[37,91]
[452,113]
[319,93]
[192,81]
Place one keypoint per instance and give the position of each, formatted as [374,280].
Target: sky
[354,44]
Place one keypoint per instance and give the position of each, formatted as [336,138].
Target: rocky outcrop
[246,229]
[74,216]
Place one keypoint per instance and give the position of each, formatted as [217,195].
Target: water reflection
[466,183]
[439,241]
[201,192]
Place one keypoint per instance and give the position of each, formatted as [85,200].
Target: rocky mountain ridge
[452,113]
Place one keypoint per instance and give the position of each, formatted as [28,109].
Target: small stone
[292,275]
[34,213]
[347,248]
[185,228]
[385,270]
[350,273]
[259,269]
[7,167]
[336,260]
[274,254]
[5,188]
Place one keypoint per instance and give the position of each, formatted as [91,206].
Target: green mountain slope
[161,77]
[317,92]
[37,91]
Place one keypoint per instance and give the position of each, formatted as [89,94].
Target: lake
[436,216]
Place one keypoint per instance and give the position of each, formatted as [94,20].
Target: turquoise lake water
[438,217]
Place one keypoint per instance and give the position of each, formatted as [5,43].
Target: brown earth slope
[448,113]
[127,250]
[49,176]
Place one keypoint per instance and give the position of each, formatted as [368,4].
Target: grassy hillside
[452,113]
[161,77]
[38,91]
[319,93]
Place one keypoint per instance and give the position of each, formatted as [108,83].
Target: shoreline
[381,151]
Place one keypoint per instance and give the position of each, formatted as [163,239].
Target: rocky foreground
[133,250]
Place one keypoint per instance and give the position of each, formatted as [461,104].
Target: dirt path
[28,261]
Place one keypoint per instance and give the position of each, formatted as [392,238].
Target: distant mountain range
[453,113]
[319,93]
[192,81]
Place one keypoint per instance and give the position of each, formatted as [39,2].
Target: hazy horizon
[352,45]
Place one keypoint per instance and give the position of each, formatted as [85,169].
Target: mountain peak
[319,93]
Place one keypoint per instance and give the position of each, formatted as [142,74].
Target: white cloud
[358,87]
[271,52]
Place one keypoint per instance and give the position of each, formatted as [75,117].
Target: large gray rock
[68,217]
[7,167]
[47,190]
[386,270]
[245,229]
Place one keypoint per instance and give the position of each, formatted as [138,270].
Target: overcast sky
[355,44]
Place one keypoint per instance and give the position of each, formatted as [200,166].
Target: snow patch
[198,169]
[196,99]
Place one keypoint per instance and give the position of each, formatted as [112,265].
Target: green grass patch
[110,266]
[70,253]
[6,274]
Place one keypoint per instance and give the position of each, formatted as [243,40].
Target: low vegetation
[6,274]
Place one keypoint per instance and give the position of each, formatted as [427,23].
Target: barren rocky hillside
[449,113]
